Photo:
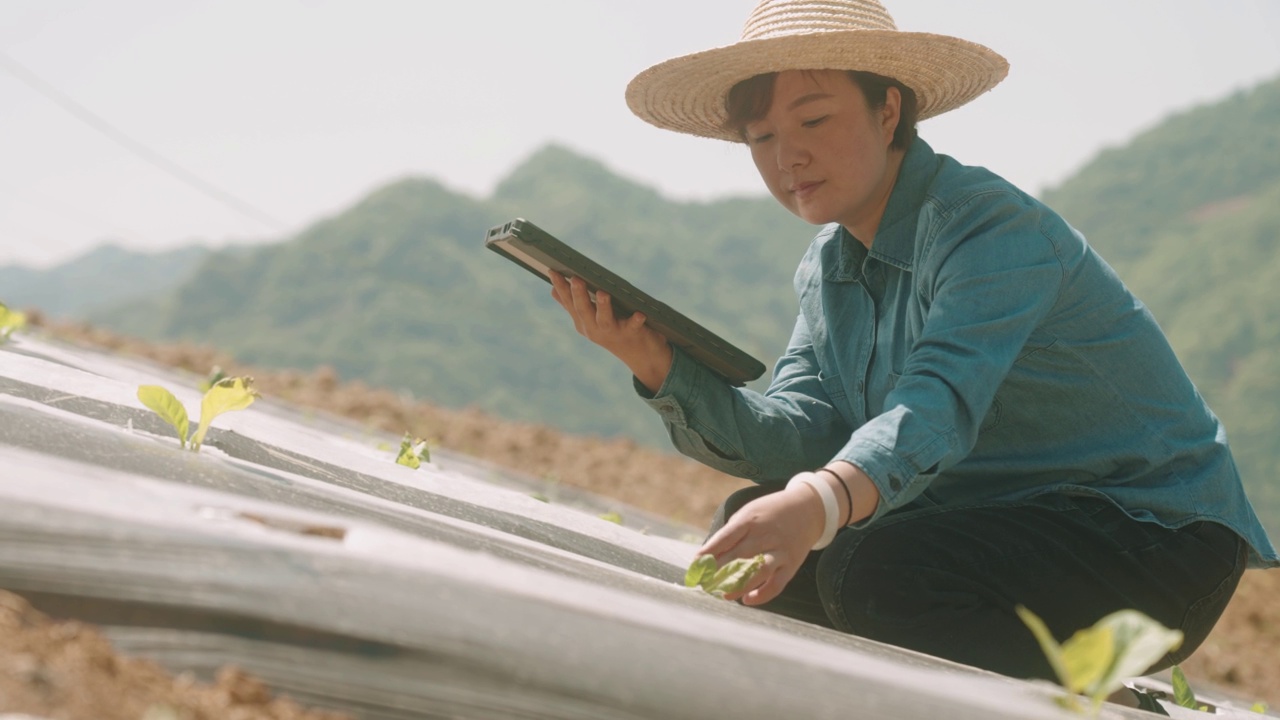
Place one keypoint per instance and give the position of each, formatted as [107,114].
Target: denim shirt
[979,352]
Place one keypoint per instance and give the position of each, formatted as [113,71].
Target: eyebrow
[808,99]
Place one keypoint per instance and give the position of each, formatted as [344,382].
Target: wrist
[830,505]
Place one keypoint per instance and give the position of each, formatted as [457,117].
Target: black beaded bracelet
[848,495]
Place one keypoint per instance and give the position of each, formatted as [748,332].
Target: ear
[890,113]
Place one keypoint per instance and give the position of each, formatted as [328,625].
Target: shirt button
[895,483]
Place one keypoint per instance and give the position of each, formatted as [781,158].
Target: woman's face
[823,153]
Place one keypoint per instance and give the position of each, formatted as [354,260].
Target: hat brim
[687,93]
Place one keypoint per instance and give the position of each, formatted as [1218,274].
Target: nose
[792,153]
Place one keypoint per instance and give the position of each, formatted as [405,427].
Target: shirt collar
[895,238]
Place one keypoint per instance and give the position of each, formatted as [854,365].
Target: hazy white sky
[301,107]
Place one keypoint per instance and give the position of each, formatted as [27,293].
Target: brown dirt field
[68,671]
[1241,655]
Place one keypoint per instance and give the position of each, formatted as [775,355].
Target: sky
[298,108]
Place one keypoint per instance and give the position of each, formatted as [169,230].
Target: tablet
[537,251]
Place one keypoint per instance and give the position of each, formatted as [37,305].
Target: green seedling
[215,376]
[1095,661]
[731,578]
[413,452]
[224,396]
[1259,707]
[1182,692]
[612,517]
[540,497]
[10,322]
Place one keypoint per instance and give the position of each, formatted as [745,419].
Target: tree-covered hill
[109,274]
[400,291]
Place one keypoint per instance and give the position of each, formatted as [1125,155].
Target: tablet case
[537,251]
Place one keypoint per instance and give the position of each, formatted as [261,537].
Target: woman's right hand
[644,350]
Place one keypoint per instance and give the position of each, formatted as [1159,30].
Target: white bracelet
[830,507]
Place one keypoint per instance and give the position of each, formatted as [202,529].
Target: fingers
[724,540]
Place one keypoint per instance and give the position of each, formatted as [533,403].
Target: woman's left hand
[782,526]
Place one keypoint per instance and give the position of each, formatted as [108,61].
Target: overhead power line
[172,168]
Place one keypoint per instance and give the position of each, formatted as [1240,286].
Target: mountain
[399,291]
[1206,161]
[105,276]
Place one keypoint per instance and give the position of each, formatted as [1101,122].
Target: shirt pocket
[833,386]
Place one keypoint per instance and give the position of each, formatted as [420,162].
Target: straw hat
[687,94]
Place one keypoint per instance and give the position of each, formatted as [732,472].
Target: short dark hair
[750,99]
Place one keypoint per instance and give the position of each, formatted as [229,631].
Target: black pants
[945,581]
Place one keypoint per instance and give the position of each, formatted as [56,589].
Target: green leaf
[1182,692]
[1086,656]
[612,517]
[10,321]
[1259,707]
[409,452]
[1140,642]
[226,395]
[703,566]
[215,376]
[164,404]
[1096,661]
[1052,651]
[735,575]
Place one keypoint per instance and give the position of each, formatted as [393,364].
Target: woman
[973,412]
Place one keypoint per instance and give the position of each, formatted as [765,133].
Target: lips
[805,189]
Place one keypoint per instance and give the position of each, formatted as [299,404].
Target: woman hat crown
[687,93]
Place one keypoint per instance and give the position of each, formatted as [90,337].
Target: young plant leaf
[412,452]
[735,575]
[612,517]
[1140,642]
[164,404]
[215,376]
[1050,647]
[1259,707]
[226,395]
[10,321]
[731,578]
[1087,655]
[703,566]
[1095,661]
[1182,692]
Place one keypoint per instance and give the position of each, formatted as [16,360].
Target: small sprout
[163,403]
[226,395]
[1259,707]
[612,517]
[215,376]
[1095,661]
[540,497]
[731,578]
[10,322]
[1182,692]
[413,452]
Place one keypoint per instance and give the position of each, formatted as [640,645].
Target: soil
[68,671]
[47,661]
